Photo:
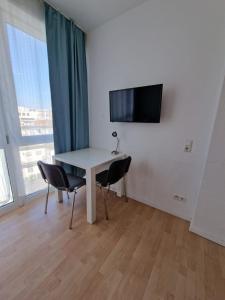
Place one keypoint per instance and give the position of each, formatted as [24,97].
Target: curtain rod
[62,13]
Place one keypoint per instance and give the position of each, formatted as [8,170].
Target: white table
[92,161]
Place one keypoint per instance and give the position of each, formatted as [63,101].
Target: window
[31,174]
[30,72]
[30,170]
[29,64]
[5,187]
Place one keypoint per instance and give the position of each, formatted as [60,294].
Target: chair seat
[75,182]
[102,177]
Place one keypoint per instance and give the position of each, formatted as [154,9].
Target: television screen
[141,104]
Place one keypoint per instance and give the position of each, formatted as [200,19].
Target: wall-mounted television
[139,104]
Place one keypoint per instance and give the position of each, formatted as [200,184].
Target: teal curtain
[68,81]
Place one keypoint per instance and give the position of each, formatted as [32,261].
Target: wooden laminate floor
[140,253]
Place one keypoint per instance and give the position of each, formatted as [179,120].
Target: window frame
[18,139]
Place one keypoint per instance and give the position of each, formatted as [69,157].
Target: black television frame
[132,88]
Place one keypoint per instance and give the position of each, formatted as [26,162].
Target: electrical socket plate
[188,146]
[178,198]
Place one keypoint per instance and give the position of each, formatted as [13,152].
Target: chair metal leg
[46,201]
[105,204]
[125,188]
[71,219]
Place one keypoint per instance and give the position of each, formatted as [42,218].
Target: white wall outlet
[179,198]
[188,146]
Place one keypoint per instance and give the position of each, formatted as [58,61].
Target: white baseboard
[9,208]
[23,200]
[169,211]
[208,236]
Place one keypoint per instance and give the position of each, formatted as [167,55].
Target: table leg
[60,196]
[120,191]
[91,195]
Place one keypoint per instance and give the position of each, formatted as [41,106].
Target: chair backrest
[118,169]
[54,175]
[39,163]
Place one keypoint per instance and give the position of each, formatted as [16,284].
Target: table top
[87,158]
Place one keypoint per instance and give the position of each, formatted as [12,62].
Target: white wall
[178,43]
[209,216]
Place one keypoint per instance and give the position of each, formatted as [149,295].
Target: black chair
[56,176]
[117,170]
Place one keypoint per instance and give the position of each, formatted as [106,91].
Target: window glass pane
[29,156]
[31,79]
[5,187]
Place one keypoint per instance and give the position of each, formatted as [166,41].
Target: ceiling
[89,14]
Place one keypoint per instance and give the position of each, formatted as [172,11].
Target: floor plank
[140,253]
